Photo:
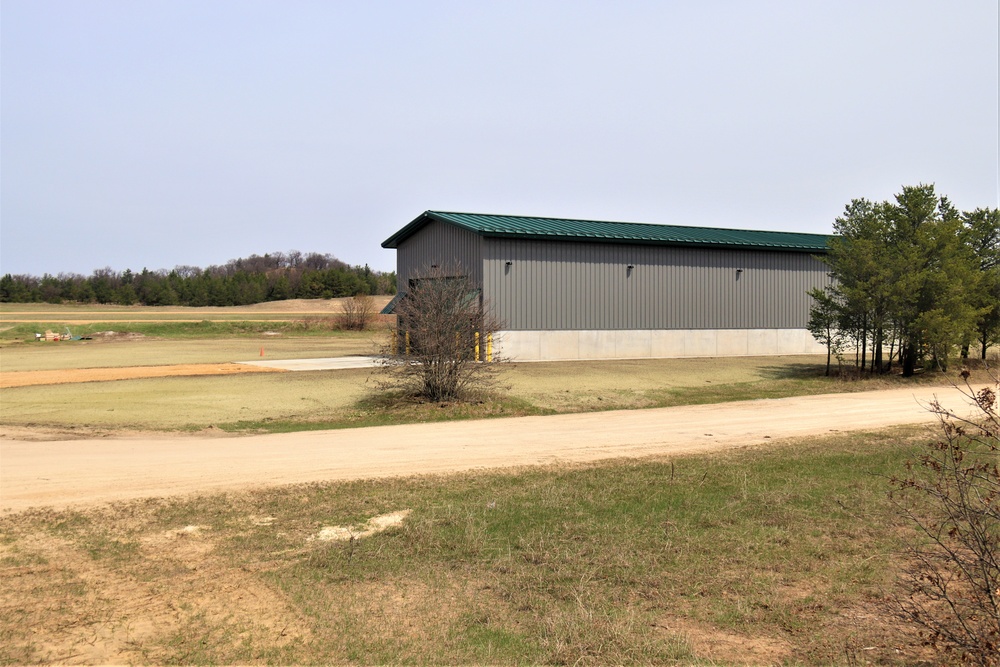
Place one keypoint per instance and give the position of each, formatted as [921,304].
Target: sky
[158,133]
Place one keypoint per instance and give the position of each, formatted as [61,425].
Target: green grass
[284,402]
[623,562]
[384,410]
[238,328]
[342,399]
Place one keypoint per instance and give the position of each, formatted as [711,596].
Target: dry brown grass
[170,403]
[339,398]
[331,397]
[773,555]
[123,351]
[79,313]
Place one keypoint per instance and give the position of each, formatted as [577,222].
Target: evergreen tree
[981,234]
[904,271]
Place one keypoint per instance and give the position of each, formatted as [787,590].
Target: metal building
[585,289]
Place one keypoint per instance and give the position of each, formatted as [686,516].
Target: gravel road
[85,472]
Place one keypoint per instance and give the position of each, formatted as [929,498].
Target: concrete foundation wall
[654,343]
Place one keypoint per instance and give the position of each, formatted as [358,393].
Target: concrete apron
[323,364]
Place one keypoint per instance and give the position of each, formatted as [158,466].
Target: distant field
[327,399]
[150,350]
[277,311]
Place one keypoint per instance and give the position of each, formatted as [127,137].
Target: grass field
[61,314]
[785,554]
[778,555]
[129,349]
[331,399]
[345,398]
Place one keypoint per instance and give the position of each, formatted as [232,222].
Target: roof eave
[419,223]
[426,217]
[735,245]
[409,230]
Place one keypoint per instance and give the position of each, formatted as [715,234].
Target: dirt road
[72,375]
[95,471]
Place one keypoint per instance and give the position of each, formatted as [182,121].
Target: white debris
[372,526]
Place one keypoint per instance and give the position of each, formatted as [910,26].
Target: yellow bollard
[477,346]
[489,347]
[407,343]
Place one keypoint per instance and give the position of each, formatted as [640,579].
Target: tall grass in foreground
[758,556]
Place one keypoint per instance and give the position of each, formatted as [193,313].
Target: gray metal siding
[573,286]
[451,248]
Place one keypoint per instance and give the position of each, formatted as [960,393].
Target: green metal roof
[560,229]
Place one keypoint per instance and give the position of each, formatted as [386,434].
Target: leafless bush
[441,348]
[358,312]
[952,495]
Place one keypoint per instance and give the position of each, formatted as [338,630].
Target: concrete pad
[321,364]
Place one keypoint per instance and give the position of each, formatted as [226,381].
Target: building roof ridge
[541,228]
[622,222]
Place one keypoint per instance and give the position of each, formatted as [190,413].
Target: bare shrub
[952,495]
[440,349]
[358,312]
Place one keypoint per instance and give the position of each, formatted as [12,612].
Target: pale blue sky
[159,133]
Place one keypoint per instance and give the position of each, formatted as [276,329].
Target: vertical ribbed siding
[451,248]
[583,286]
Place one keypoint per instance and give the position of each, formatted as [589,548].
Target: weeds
[952,495]
[763,556]
[242,328]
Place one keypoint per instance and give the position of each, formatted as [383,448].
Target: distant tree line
[913,280]
[239,282]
